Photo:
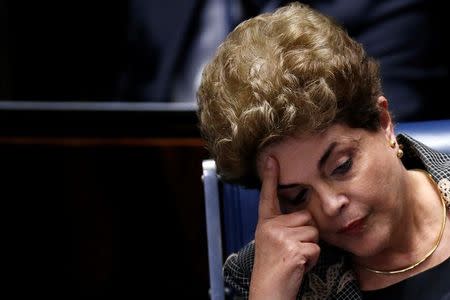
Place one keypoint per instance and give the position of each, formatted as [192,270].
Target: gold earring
[399,153]
[392,143]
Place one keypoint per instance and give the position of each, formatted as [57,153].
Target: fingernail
[269,163]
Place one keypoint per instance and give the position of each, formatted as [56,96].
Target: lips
[354,227]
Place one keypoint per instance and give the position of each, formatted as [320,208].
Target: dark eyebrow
[326,155]
[287,186]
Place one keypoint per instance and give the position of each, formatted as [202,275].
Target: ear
[385,118]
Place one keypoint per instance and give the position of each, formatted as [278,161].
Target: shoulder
[418,155]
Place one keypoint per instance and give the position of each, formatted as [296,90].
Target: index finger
[268,199]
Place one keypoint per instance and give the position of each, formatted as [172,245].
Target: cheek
[373,177]
[367,187]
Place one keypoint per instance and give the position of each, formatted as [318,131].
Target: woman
[291,104]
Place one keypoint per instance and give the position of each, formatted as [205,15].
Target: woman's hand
[285,245]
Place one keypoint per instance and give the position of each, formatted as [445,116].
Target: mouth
[354,227]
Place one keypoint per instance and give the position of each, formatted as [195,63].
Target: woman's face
[348,179]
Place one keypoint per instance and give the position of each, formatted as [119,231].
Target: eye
[299,199]
[344,167]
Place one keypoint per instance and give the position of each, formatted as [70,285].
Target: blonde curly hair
[290,72]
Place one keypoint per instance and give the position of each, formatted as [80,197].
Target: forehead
[306,150]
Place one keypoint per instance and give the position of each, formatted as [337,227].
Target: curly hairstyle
[290,72]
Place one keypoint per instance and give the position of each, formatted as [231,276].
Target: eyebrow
[322,161]
[287,186]
[326,155]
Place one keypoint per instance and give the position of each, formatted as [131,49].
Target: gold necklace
[444,216]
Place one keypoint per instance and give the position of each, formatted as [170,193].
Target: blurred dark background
[63,50]
[102,203]
[153,51]
[98,200]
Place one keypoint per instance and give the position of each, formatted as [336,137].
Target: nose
[332,201]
